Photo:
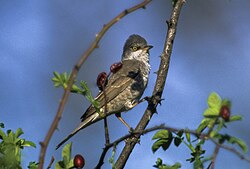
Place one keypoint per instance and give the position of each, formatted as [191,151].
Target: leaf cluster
[160,165]
[61,80]
[11,146]
[209,128]
[67,161]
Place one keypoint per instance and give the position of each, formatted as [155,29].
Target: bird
[124,88]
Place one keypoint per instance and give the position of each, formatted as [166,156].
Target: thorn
[168,23]
[139,141]
[126,11]
[41,144]
[131,130]
[156,72]
[159,101]
[147,98]
[161,56]
[144,7]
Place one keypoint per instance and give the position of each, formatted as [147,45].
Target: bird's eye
[134,48]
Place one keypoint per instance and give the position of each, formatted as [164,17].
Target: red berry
[115,67]
[79,161]
[102,80]
[225,113]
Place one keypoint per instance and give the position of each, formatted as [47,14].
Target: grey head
[136,47]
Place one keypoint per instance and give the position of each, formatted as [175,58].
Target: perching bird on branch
[124,87]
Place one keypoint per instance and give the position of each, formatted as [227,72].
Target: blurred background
[211,53]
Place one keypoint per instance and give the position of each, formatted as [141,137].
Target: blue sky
[211,53]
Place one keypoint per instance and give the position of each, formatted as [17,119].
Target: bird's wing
[116,84]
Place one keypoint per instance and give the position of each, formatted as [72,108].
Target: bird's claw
[131,130]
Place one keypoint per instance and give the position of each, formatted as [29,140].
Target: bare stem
[216,151]
[107,140]
[51,162]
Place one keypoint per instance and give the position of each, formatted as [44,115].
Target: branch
[74,73]
[51,162]
[216,151]
[107,140]
[159,87]
[171,129]
[233,150]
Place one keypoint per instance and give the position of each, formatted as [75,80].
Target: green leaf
[214,100]
[241,143]
[175,166]
[161,134]
[57,75]
[177,141]
[29,144]
[158,163]
[163,141]
[66,152]
[187,136]
[75,88]
[71,163]
[64,77]
[235,118]
[211,123]
[226,102]
[204,123]
[57,84]
[60,79]
[54,79]
[59,165]
[66,161]
[198,164]
[19,132]
[112,158]
[33,165]
[211,112]
[180,133]
[11,137]
[2,135]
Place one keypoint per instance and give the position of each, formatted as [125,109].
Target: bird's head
[136,47]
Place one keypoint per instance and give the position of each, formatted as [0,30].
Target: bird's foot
[147,98]
[156,99]
[131,130]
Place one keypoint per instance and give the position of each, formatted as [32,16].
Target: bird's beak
[148,47]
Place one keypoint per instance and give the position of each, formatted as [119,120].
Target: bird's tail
[82,125]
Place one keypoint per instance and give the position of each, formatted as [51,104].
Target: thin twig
[159,127]
[74,73]
[51,162]
[233,150]
[216,151]
[158,89]
[172,129]
[107,140]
